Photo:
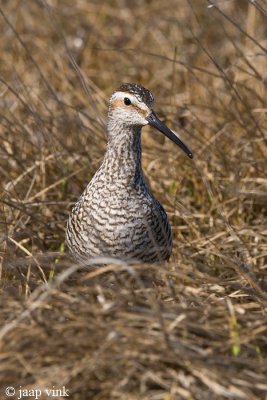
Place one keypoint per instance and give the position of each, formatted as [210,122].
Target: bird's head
[132,105]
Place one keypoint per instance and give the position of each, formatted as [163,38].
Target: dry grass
[195,328]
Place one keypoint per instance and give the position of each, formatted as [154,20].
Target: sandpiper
[117,215]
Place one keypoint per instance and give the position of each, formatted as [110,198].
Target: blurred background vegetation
[198,329]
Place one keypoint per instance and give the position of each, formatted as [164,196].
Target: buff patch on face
[118,98]
[140,92]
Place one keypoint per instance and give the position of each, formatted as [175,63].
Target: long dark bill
[154,121]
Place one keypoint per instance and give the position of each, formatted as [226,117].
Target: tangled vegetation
[193,328]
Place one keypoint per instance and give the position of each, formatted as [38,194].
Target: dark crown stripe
[138,91]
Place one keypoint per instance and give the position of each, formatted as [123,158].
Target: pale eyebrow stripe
[136,103]
[121,95]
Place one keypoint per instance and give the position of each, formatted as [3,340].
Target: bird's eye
[127,101]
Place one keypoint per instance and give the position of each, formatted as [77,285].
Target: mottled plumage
[140,92]
[117,215]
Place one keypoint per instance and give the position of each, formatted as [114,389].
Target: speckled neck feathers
[117,215]
[122,161]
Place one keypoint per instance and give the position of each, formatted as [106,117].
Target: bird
[117,216]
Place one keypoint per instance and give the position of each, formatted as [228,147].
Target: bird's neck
[122,161]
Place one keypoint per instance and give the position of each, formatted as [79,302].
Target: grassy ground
[194,328]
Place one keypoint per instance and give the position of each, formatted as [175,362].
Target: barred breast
[117,215]
[123,224]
